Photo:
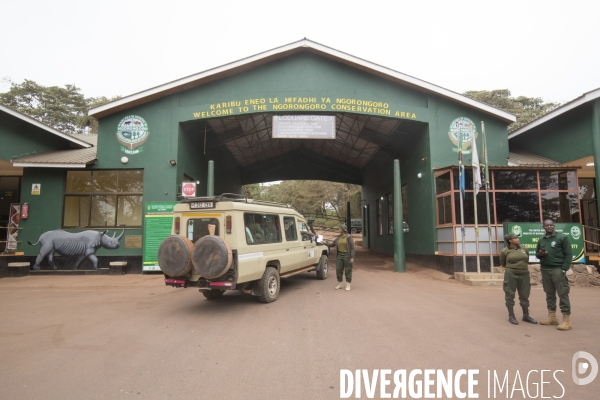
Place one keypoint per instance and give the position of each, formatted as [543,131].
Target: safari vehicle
[230,242]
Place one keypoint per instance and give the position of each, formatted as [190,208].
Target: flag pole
[462,232]
[461,180]
[476,179]
[487,195]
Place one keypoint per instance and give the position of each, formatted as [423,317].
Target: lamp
[173,163]
[419,175]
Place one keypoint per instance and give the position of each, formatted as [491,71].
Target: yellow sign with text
[275,104]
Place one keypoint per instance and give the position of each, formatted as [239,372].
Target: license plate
[202,204]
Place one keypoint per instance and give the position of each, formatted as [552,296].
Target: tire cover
[211,256]
[175,255]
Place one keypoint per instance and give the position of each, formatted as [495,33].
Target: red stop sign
[189,189]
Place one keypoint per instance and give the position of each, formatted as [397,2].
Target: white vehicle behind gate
[230,242]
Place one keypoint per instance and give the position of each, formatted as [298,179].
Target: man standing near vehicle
[555,254]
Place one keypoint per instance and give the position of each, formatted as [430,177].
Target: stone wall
[578,275]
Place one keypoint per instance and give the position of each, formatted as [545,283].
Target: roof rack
[238,198]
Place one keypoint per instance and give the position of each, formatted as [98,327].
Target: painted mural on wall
[132,132]
[465,127]
[81,245]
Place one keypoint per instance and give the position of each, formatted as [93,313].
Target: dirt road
[116,337]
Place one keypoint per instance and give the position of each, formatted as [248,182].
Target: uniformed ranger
[555,254]
[515,260]
[345,256]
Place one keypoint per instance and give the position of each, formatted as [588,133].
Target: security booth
[300,111]
[570,136]
[530,190]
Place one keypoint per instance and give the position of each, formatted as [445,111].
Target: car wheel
[353,231]
[322,268]
[213,293]
[269,286]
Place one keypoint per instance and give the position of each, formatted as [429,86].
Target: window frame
[91,194]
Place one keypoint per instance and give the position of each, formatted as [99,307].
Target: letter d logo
[583,367]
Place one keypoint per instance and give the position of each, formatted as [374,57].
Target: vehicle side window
[289,224]
[197,228]
[272,228]
[262,228]
[304,228]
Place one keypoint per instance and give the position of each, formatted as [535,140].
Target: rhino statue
[82,244]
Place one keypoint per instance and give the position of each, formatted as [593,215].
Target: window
[379,217]
[558,180]
[560,206]
[390,209]
[469,210]
[517,207]
[291,233]
[103,199]
[444,210]
[442,183]
[515,180]
[197,228]
[262,228]
[304,228]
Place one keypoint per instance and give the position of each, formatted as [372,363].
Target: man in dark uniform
[555,254]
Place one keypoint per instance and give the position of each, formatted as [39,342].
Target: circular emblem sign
[132,132]
[575,232]
[517,230]
[464,127]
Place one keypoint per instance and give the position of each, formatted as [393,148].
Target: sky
[548,49]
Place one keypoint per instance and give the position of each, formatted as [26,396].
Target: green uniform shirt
[560,254]
[515,260]
[342,245]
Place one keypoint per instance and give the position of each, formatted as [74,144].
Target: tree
[89,123]
[526,109]
[310,197]
[65,109]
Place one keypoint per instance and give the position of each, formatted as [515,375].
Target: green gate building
[150,143]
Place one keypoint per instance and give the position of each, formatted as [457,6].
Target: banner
[12,231]
[530,232]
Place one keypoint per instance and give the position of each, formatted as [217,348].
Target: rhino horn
[113,236]
[121,235]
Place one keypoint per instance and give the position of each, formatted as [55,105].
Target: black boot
[526,316]
[511,316]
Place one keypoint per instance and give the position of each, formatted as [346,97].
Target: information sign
[303,126]
[530,232]
[157,226]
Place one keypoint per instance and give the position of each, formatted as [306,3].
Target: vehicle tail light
[175,282]
[220,284]
[228,224]
[177,225]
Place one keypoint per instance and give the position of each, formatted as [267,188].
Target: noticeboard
[303,127]
[530,232]
[157,226]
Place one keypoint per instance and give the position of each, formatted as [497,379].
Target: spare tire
[211,256]
[175,255]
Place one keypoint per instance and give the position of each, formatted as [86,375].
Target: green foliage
[65,109]
[526,109]
[310,197]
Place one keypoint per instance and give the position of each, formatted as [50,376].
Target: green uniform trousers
[342,264]
[555,281]
[516,283]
